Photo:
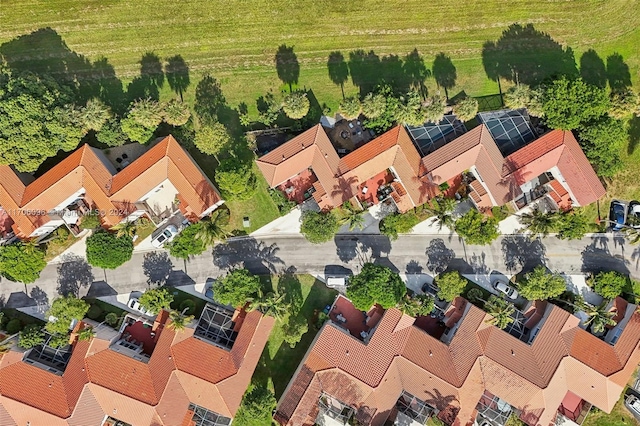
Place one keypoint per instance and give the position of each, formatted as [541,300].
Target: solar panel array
[432,136]
[216,326]
[510,128]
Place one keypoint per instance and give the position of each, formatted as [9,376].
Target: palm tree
[179,321]
[212,227]
[86,333]
[598,316]
[539,222]
[125,228]
[475,295]
[441,208]
[633,234]
[273,303]
[501,312]
[354,218]
[30,246]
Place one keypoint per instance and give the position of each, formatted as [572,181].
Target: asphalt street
[409,254]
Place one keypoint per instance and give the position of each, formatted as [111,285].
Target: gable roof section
[83,168]
[533,378]
[557,148]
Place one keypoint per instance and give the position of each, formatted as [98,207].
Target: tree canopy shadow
[413,268]
[593,69]
[438,256]
[287,65]
[596,257]
[256,256]
[150,80]
[209,99]
[634,134]
[416,71]
[523,252]
[157,267]
[73,273]
[444,72]
[290,286]
[525,55]
[39,295]
[362,249]
[177,72]
[618,73]
[338,70]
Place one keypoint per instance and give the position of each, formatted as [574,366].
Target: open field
[236,40]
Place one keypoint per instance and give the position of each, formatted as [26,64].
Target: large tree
[37,119]
[538,222]
[573,225]
[609,284]
[375,284]
[95,114]
[111,133]
[63,311]
[21,262]
[398,223]
[466,108]
[374,105]
[416,305]
[441,209]
[477,228]
[176,113]
[212,138]
[500,310]
[30,336]
[256,408]
[318,227]
[236,288]
[602,140]
[541,284]
[236,179]
[450,285]
[108,251]
[156,299]
[186,244]
[567,103]
[212,227]
[296,105]
[350,108]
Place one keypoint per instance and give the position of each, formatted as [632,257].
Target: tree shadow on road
[523,253]
[73,273]
[438,256]
[256,256]
[362,249]
[596,257]
[157,267]
[413,268]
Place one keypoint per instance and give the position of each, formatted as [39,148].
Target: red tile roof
[84,168]
[533,378]
[181,370]
[339,178]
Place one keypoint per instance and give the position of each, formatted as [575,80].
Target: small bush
[395,224]
[111,319]
[499,212]
[90,221]
[94,312]
[322,318]
[188,304]
[14,326]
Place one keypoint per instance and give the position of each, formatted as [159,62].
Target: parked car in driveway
[167,234]
[633,214]
[134,304]
[506,289]
[633,404]
[617,214]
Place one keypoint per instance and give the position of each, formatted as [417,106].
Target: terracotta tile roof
[99,381]
[87,168]
[533,378]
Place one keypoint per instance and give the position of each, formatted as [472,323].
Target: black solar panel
[511,129]
[432,136]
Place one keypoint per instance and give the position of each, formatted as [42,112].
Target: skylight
[510,129]
[432,136]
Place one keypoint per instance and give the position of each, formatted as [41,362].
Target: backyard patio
[299,188]
[358,323]
[376,188]
[347,136]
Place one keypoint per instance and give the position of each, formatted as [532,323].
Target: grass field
[236,40]
[279,361]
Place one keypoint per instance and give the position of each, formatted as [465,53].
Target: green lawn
[619,416]
[100,44]
[279,361]
[236,40]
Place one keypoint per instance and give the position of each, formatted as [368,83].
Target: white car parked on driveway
[166,236]
[505,289]
[134,304]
